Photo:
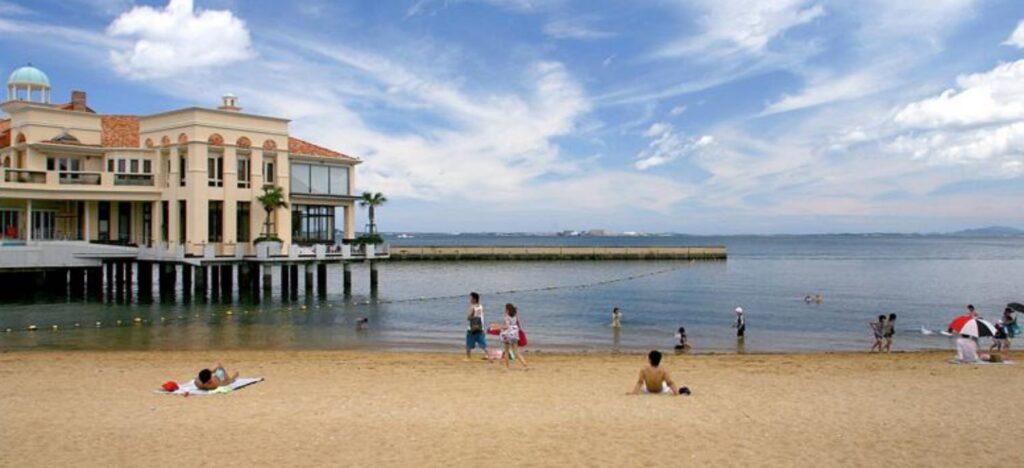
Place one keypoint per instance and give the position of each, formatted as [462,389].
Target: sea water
[566,305]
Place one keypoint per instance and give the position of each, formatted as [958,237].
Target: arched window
[20,139]
[215,140]
[7,162]
[149,142]
[270,145]
[182,139]
[165,141]
[243,142]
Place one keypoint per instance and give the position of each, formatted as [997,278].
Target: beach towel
[981,363]
[189,387]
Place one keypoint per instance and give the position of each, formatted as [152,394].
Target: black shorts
[741,331]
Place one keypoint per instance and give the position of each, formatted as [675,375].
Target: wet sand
[347,408]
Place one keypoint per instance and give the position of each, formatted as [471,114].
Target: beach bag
[1013,330]
[476,324]
[522,335]
[170,386]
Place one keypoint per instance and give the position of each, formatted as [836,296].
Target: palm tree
[371,201]
[272,199]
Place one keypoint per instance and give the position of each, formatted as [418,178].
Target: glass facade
[319,179]
[313,224]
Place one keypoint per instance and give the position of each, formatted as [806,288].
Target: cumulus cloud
[981,98]
[1016,39]
[177,38]
[743,26]
[668,145]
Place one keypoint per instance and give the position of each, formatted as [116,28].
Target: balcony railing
[80,178]
[145,180]
[24,176]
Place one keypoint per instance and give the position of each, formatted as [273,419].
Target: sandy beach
[396,409]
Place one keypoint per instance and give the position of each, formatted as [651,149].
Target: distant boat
[404,236]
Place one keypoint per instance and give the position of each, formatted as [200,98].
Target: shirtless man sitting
[654,379]
[211,380]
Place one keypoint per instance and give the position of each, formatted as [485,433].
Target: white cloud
[825,90]
[1016,39]
[175,39]
[565,28]
[743,26]
[981,98]
[677,110]
[668,145]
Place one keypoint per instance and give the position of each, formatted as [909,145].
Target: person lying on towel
[211,380]
[654,379]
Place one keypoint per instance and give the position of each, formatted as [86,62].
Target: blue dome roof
[29,75]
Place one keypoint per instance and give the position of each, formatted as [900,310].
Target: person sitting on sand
[616,318]
[684,343]
[211,380]
[878,328]
[655,380]
[889,331]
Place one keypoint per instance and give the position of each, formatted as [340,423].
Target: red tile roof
[303,147]
[120,131]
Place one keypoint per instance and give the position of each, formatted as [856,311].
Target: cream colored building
[184,178]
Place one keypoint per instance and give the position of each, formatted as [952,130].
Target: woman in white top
[510,335]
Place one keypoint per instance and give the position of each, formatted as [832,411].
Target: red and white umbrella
[972,326]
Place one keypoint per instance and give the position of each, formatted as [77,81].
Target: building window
[319,180]
[215,170]
[121,166]
[135,166]
[165,220]
[103,215]
[147,166]
[8,223]
[243,171]
[339,180]
[183,169]
[182,221]
[215,222]
[242,222]
[268,171]
[124,222]
[300,178]
[313,224]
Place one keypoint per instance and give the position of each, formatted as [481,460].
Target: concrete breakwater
[411,253]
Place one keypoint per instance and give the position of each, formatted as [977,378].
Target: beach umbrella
[971,326]
[1016,306]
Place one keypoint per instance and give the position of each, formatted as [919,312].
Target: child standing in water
[616,318]
[684,344]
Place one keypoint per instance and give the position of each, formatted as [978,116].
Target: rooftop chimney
[78,101]
[230,103]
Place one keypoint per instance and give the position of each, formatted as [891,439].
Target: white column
[28,221]
[85,210]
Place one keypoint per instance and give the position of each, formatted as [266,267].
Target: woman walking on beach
[510,335]
[878,328]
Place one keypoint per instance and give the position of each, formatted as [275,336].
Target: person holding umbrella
[970,328]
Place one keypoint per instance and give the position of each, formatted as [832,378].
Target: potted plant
[269,243]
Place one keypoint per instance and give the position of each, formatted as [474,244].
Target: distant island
[990,231]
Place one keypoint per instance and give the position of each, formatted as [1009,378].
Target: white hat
[739,310]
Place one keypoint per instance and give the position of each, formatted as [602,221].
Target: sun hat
[739,310]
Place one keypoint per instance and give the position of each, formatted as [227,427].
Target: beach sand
[343,408]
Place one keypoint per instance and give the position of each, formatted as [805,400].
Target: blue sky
[702,116]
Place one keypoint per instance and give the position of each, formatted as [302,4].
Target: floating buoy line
[230,313]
